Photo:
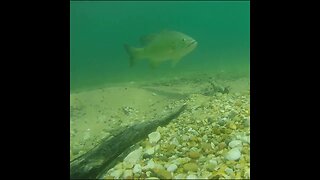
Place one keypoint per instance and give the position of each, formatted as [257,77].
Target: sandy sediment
[210,139]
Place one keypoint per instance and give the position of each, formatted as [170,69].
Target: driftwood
[94,163]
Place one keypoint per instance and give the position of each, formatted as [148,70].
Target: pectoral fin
[134,53]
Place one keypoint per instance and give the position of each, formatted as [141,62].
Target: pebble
[185,137]
[210,167]
[202,159]
[245,139]
[232,114]
[214,162]
[235,143]
[205,138]
[182,160]
[162,173]
[233,154]
[154,137]
[212,145]
[232,126]
[221,145]
[127,173]
[133,157]
[137,169]
[216,130]
[180,176]
[172,167]
[206,147]
[148,173]
[117,173]
[222,121]
[194,154]
[205,174]
[175,142]
[228,170]
[190,167]
[247,173]
[213,133]
[247,122]
[192,176]
[150,151]
[150,165]
[228,131]
[210,120]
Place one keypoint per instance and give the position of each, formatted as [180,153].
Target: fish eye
[184,39]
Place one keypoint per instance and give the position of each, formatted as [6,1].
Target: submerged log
[102,157]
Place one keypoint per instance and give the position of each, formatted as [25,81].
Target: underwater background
[189,121]
[99,29]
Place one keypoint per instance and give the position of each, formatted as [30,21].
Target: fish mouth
[192,42]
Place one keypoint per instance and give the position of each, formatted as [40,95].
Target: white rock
[127,173]
[235,143]
[133,157]
[228,170]
[117,173]
[183,160]
[150,151]
[154,137]
[150,165]
[127,165]
[205,138]
[205,174]
[192,176]
[213,162]
[193,131]
[185,137]
[180,176]
[172,167]
[233,154]
[245,139]
[157,147]
[175,142]
[148,173]
[137,169]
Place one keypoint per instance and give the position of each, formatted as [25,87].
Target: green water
[99,29]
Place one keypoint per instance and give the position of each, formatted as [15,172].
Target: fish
[167,45]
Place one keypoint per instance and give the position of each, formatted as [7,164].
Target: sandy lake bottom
[210,139]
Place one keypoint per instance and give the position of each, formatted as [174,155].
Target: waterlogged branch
[98,160]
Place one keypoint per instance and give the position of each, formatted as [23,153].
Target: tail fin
[134,53]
